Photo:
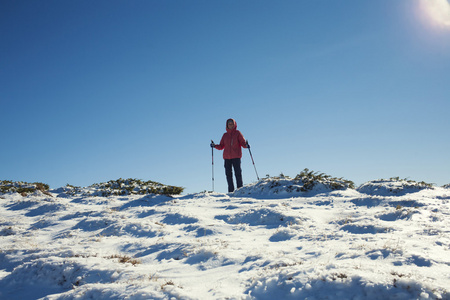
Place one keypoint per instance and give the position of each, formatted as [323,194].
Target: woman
[231,144]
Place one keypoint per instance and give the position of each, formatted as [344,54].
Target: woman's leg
[229,174]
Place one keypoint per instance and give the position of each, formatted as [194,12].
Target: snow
[380,241]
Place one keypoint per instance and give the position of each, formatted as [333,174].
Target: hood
[226,124]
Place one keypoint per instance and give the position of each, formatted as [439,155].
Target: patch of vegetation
[122,187]
[310,179]
[393,185]
[304,182]
[422,184]
[167,283]
[23,188]
[125,259]
[117,187]
[135,186]
[72,190]
[335,276]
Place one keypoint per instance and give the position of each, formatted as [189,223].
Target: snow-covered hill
[268,240]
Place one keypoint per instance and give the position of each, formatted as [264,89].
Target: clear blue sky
[96,90]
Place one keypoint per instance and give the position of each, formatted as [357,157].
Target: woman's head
[231,124]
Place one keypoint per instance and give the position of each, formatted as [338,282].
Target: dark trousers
[234,163]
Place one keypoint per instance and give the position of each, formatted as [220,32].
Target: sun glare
[438,11]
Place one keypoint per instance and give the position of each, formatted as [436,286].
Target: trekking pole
[212,155]
[248,146]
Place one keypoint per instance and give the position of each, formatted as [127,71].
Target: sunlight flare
[438,11]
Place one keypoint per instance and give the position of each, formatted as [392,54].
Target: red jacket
[231,142]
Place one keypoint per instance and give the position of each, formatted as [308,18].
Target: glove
[247,144]
[212,144]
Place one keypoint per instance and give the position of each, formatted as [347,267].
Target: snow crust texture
[377,242]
